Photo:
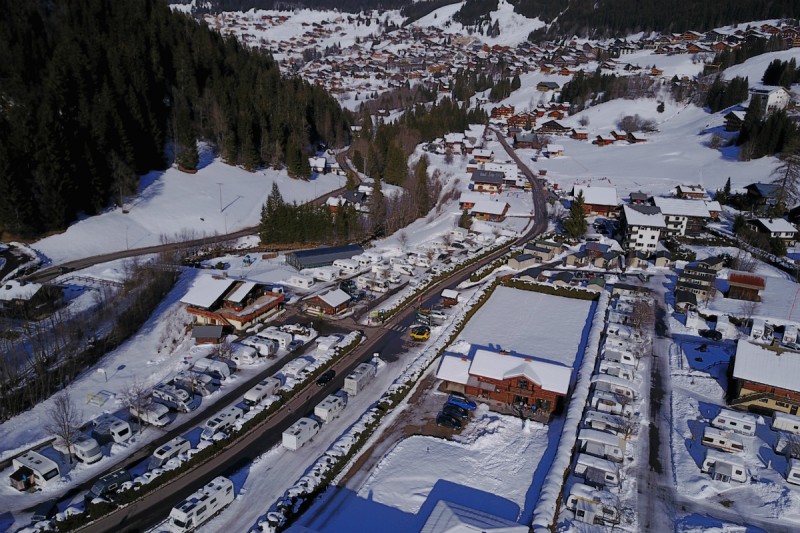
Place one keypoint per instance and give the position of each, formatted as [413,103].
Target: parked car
[711,334]
[421,333]
[454,410]
[326,377]
[295,345]
[462,401]
[447,421]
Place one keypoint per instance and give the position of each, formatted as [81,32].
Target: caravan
[793,472]
[217,369]
[724,467]
[609,423]
[167,451]
[109,428]
[608,402]
[741,423]
[106,486]
[303,282]
[597,471]
[175,398]
[155,414]
[223,422]
[329,408]
[722,440]
[609,383]
[265,388]
[616,369]
[198,508]
[347,266]
[358,378]
[593,506]
[32,469]
[326,274]
[87,450]
[281,338]
[600,444]
[195,383]
[300,433]
[786,422]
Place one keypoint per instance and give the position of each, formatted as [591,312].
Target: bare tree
[447,239]
[744,261]
[584,120]
[746,311]
[225,349]
[787,176]
[402,238]
[138,397]
[63,420]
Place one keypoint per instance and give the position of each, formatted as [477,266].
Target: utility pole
[220,196]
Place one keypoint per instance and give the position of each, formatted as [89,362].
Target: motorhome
[282,338]
[358,378]
[374,257]
[347,266]
[593,506]
[217,369]
[741,423]
[262,390]
[303,282]
[32,469]
[155,414]
[362,260]
[169,450]
[402,268]
[420,261]
[201,506]
[175,398]
[329,408]
[106,486]
[222,422]
[196,383]
[786,422]
[722,440]
[264,347]
[724,467]
[294,368]
[327,274]
[793,472]
[86,450]
[608,402]
[616,369]
[607,422]
[300,433]
[609,383]
[758,328]
[597,471]
[600,444]
[245,357]
[108,428]
[378,285]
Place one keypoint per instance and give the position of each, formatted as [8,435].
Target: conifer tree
[575,223]
[421,190]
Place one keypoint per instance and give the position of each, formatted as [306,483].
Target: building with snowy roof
[490,210]
[642,226]
[223,301]
[683,217]
[322,256]
[597,200]
[775,228]
[332,302]
[28,300]
[766,379]
[449,517]
[487,180]
[769,98]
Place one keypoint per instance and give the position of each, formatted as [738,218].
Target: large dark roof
[322,256]
[488,176]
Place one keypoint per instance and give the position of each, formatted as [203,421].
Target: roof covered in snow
[206,290]
[644,215]
[449,517]
[679,207]
[597,195]
[490,208]
[500,366]
[14,290]
[335,297]
[756,363]
[241,292]
[454,368]
[775,225]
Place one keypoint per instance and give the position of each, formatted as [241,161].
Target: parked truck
[300,433]
[329,408]
[359,378]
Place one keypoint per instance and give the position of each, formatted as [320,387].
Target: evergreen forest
[95,93]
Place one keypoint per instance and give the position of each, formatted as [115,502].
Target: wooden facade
[765,399]
[519,392]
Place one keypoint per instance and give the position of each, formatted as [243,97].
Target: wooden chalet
[554,127]
[333,302]
[765,379]
[502,112]
[227,302]
[579,134]
[745,286]
[489,210]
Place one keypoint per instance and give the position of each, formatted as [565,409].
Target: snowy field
[532,323]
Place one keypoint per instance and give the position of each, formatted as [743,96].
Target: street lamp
[103,371]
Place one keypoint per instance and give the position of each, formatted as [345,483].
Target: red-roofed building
[744,286]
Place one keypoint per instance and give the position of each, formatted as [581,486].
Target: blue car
[462,402]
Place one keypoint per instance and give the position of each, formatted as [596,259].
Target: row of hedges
[566,292]
[484,271]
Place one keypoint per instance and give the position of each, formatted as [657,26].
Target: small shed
[450,297]
[330,303]
[207,334]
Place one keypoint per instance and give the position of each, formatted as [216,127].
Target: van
[201,506]
[262,390]
[722,440]
[217,369]
[222,422]
[108,428]
[106,486]
[167,451]
[786,422]
[155,414]
[741,423]
[724,467]
[86,450]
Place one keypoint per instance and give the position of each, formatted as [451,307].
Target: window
[738,471]
[522,384]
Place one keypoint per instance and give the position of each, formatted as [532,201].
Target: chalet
[639,198]
[490,210]
[522,261]
[636,137]
[765,380]
[685,301]
[554,150]
[28,300]
[763,193]
[745,286]
[775,228]
[482,156]
[525,140]
[595,250]
[604,140]
[358,199]
[542,253]
[207,334]
[734,120]
[637,259]
[608,260]
[642,226]
[769,98]
[715,262]
[503,380]
[522,120]
[662,259]
[597,200]
[579,134]
[468,199]
[562,279]
[545,86]
[487,181]
[333,302]
[683,217]
[714,208]
[619,136]
[216,301]
[502,112]
[554,127]
[318,164]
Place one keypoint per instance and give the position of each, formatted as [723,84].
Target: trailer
[106,486]
[616,369]
[327,274]
[608,402]
[607,422]
[722,440]
[600,444]
[222,422]
[724,467]
[87,450]
[789,333]
[593,506]
[108,428]
[244,355]
[347,266]
[786,422]
[201,506]
[596,470]
[609,383]
[175,398]
[155,414]
[300,433]
[741,423]
[793,472]
[304,282]
[196,383]
[167,451]
[265,388]
[359,378]
[329,408]
[294,368]
[264,347]
[217,369]
[402,268]
[32,469]
[282,338]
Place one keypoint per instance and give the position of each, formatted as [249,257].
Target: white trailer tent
[741,423]
[601,444]
[358,378]
[329,408]
[607,422]
[722,440]
[588,466]
[793,472]
[609,383]
[264,388]
[167,451]
[786,422]
[300,433]
[593,506]
[724,467]
[198,508]
[33,469]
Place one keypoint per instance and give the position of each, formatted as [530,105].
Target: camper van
[592,506]
[175,398]
[245,356]
[155,414]
[106,486]
[358,378]
[602,444]
[793,472]
[786,422]
[724,467]
[722,440]
[265,388]
[32,469]
[167,451]
[86,450]
[597,471]
[196,383]
[217,369]
[198,508]
[329,408]
[300,433]
[374,257]
[222,422]
[109,428]
[741,423]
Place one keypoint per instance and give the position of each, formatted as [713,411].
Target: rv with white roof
[304,282]
[155,414]
[458,234]
[32,469]
[293,368]
[600,444]
[201,506]
[786,422]
[245,355]
[618,356]
[222,422]
[722,440]
[597,470]
[167,451]
[87,450]
[616,369]
[734,421]
[362,260]
[609,383]
[109,428]
[265,388]
[329,408]
[374,257]
[347,266]
[758,328]
[217,369]
[264,347]
[326,274]
[593,506]
[300,433]
[175,398]
[282,338]
[608,402]
[358,378]
[724,467]
[196,383]
[402,268]
[793,472]
[607,422]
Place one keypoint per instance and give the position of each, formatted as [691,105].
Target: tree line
[88,105]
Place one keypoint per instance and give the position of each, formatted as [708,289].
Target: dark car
[711,334]
[447,421]
[326,377]
[44,511]
[454,410]
[462,401]
[295,345]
